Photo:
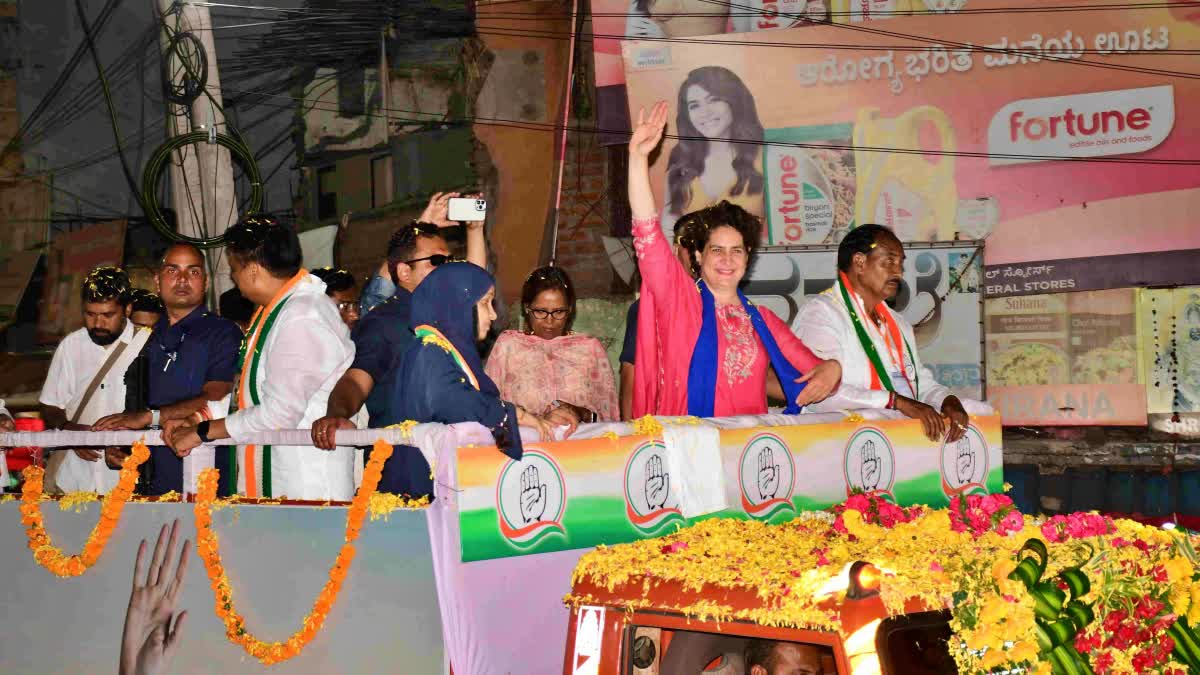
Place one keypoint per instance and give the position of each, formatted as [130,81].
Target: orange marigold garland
[50,556]
[270,653]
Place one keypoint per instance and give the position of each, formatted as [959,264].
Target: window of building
[352,100]
[326,193]
[381,180]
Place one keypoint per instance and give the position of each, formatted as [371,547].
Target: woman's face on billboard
[711,116]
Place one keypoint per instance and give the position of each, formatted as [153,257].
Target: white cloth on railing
[694,459]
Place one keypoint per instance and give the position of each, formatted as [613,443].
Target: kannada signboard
[940,297]
[582,493]
[1072,143]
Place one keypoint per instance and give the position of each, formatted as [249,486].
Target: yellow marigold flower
[1003,568]
[1193,614]
[1024,650]
[994,657]
[994,611]
[647,426]
[1178,569]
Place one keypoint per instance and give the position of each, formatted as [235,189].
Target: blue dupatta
[702,371]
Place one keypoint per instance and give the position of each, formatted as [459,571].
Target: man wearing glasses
[342,289]
[383,334]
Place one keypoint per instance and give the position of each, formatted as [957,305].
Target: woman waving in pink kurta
[703,348]
[548,370]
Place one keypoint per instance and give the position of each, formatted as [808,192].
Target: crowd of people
[298,349]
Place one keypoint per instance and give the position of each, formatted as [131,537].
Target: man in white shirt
[875,345]
[296,349]
[86,380]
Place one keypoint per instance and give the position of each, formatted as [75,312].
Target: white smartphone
[467,209]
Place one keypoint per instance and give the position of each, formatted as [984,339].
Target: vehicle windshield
[667,652]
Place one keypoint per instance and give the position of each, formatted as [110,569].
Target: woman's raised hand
[648,131]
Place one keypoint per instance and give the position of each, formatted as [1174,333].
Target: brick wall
[586,210]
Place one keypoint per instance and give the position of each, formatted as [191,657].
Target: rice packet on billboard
[810,175]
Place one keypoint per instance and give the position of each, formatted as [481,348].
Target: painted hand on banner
[151,638]
[533,495]
[966,461]
[658,483]
[870,466]
[768,474]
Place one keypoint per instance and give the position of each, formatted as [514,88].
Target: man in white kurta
[304,352]
[295,351]
[881,367]
[76,362]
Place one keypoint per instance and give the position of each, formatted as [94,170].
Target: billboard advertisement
[1065,359]
[1169,332]
[1052,135]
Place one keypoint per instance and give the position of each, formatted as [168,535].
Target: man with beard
[86,380]
[190,365]
[875,345]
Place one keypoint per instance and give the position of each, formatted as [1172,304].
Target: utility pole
[202,189]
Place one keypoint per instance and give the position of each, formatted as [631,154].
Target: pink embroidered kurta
[533,373]
[669,321]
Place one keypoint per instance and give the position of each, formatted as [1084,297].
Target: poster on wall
[1065,359]
[614,20]
[1169,328]
[940,297]
[70,257]
[1071,143]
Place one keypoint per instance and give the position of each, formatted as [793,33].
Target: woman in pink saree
[547,369]
[703,349]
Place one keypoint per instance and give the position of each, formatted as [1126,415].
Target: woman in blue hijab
[441,377]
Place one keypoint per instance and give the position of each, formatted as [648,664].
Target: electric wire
[432,119]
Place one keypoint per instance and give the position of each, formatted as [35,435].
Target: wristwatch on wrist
[155,416]
[202,431]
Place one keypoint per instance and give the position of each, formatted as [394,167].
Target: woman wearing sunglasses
[547,369]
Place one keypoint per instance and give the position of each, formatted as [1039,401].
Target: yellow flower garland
[791,568]
[50,556]
[269,653]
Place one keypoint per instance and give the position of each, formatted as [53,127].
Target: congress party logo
[870,463]
[531,498]
[650,503]
[965,464]
[767,474]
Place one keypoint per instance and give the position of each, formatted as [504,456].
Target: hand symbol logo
[533,495]
[966,461]
[870,466]
[658,483]
[768,474]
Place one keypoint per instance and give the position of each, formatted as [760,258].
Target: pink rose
[1013,522]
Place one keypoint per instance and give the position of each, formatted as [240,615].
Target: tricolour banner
[583,493]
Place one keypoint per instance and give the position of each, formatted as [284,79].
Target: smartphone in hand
[467,209]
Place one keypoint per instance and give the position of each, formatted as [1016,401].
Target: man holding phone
[383,333]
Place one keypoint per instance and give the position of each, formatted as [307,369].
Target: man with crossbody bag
[86,380]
